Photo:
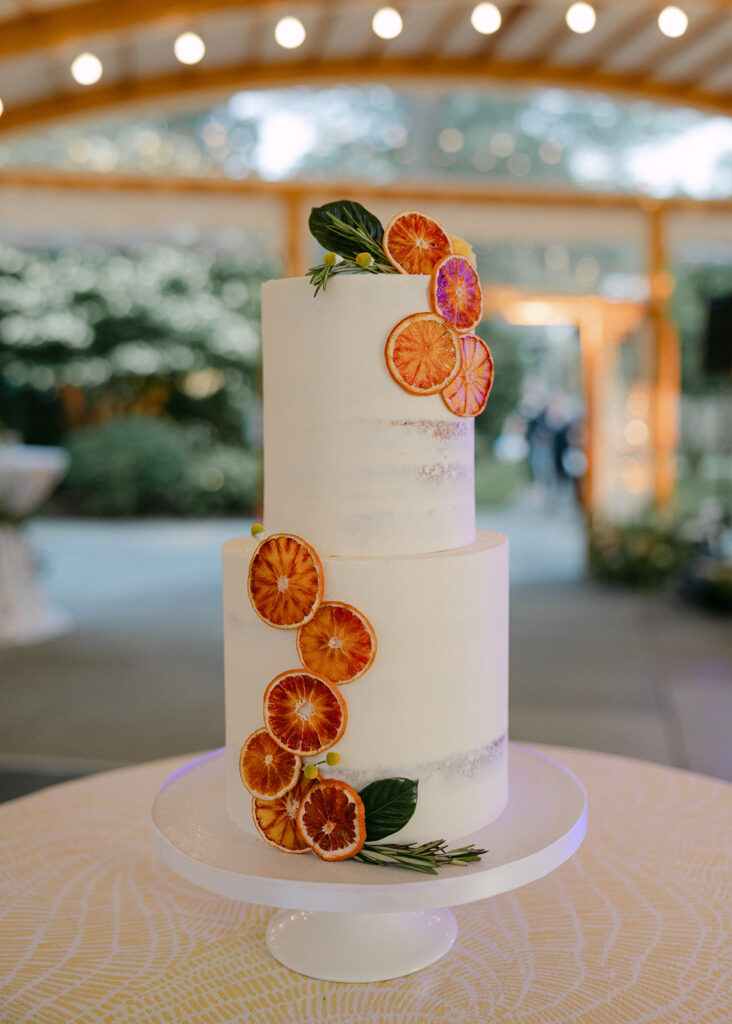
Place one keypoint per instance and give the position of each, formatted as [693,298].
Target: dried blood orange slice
[414,243]
[332,820]
[276,820]
[265,768]
[423,353]
[285,583]
[456,293]
[468,393]
[304,713]
[338,643]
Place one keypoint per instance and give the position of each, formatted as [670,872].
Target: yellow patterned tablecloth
[634,928]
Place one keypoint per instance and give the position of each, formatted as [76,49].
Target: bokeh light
[289,33]
[189,48]
[581,18]
[673,22]
[485,18]
[387,23]
[86,69]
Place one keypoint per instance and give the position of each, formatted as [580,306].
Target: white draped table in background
[28,475]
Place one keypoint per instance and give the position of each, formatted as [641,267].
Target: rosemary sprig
[322,273]
[426,858]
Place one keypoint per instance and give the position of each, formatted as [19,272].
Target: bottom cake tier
[434,704]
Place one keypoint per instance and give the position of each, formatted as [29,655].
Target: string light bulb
[86,69]
[1,108]
[289,33]
[581,18]
[189,48]
[387,23]
[486,19]
[673,22]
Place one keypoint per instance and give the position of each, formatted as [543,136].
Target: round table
[634,927]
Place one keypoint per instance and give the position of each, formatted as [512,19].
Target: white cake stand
[356,922]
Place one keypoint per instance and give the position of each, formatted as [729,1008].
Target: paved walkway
[141,676]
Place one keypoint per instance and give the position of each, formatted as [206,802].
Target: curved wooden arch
[72,23]
[189,82]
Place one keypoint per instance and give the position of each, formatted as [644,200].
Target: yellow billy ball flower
[310,771]
[332,758]
[329,259]
[364,259]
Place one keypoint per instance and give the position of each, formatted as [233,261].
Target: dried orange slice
[304,713]
[414,243]
[285,583]
[456,293]
[339,643]
[276,820]
[265,768]
[423,353]
[467,394]
[332,820]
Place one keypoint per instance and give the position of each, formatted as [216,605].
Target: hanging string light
[581,18]
[673,22]
[1,108]
[289,33]
[387,23]
[486,19]
[86,69]
[189,48]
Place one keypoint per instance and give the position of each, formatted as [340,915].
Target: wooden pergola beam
[303,191]
[76,22]
[135,93]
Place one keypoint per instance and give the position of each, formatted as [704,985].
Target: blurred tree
[106,333]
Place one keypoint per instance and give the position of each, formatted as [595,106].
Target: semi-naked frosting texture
[380,482]
[352,462]
[433,706]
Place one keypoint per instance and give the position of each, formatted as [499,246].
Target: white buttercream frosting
[352,461]
[433,705]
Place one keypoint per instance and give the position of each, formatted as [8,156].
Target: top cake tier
[352,462]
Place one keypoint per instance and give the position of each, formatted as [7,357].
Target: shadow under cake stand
[348,921]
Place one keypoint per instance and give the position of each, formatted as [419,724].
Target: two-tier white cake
[380,482]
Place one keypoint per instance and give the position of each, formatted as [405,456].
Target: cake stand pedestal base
[360,947]
[348,921]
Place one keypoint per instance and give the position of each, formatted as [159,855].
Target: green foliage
[641,554]
[694,287]
[709,584]
[348,230]
[119,325]
[509,373]
[498,483]
[141,465]
[389,805]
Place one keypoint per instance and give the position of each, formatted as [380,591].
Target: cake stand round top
[544,823]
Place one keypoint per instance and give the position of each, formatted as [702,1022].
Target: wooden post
[295,246]
[665,363]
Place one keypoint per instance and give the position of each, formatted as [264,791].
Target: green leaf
[347,228]
[389,805]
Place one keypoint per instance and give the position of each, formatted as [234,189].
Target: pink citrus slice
[467,394]
[456,293]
